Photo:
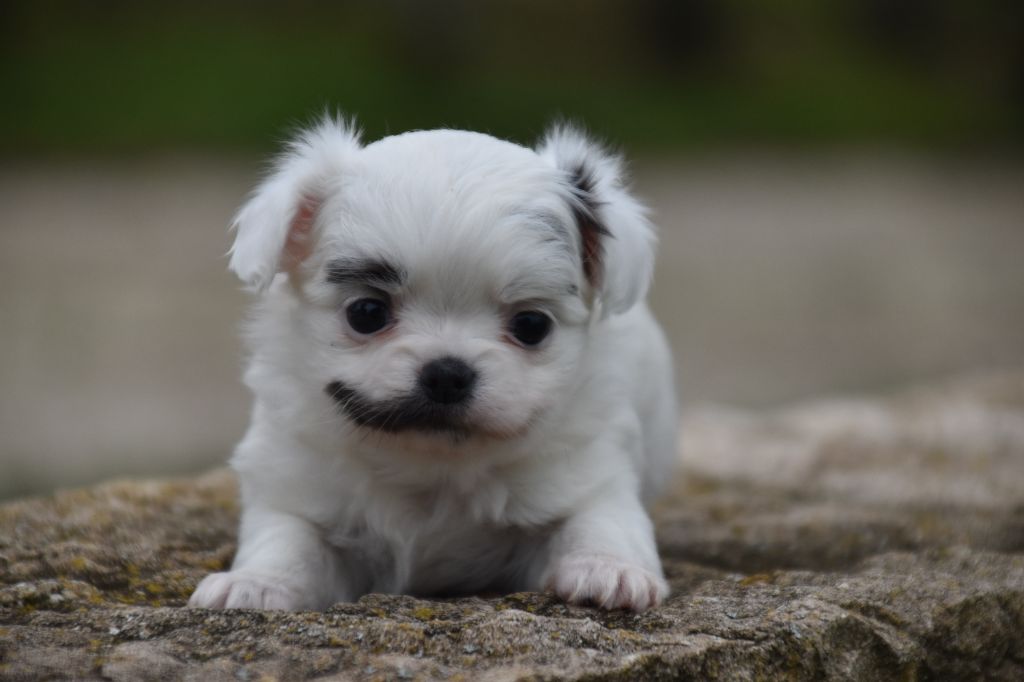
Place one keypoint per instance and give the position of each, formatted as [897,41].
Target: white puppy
[458,387]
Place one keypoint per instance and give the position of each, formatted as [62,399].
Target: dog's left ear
[616,240]
[276,228]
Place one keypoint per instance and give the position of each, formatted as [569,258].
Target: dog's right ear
[276,228]
[616,239]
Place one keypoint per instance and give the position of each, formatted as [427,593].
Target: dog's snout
[447,380]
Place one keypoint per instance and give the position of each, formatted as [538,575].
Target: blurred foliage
[116,77]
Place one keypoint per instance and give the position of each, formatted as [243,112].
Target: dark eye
[367,315]
[530,327]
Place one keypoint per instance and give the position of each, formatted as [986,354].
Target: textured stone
[854,539]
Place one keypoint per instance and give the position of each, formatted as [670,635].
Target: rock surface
[856,539]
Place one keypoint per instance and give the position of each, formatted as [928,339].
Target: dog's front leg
[605,554]
[282,563]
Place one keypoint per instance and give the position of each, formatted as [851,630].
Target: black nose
[447,380]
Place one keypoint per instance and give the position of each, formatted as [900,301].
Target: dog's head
[443,281]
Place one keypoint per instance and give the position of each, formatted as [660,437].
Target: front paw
[243,590]
[606,581]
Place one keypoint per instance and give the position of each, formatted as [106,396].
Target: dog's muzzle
[444,389]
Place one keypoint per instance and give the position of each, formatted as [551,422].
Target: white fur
[566,441]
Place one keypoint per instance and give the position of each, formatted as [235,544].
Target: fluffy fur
[350,482]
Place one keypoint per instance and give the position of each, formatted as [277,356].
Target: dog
[458,387]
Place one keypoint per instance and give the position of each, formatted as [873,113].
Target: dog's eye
[367,315]
[530,327]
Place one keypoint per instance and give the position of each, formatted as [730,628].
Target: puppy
[458,387]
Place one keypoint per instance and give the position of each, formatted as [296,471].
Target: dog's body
[457,385]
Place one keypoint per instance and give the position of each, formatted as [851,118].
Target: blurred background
[839,187]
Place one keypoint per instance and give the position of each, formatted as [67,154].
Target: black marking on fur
[592,232]
[555,230]
[370,271]
[414,412]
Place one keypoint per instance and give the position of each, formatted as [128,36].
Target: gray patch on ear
[592,232]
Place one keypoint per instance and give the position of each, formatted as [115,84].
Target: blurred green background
[839,188]
[654,75]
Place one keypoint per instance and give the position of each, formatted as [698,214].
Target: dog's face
[445,282]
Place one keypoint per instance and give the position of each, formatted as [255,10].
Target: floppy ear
[275,229]
[616,239]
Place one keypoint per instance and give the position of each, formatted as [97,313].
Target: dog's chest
[438,544]
[471,560]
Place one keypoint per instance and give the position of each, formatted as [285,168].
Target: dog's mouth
[409,413]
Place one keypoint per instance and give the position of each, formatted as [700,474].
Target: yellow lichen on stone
[757,579]
[424,613]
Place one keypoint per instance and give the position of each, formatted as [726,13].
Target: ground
[856,539]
